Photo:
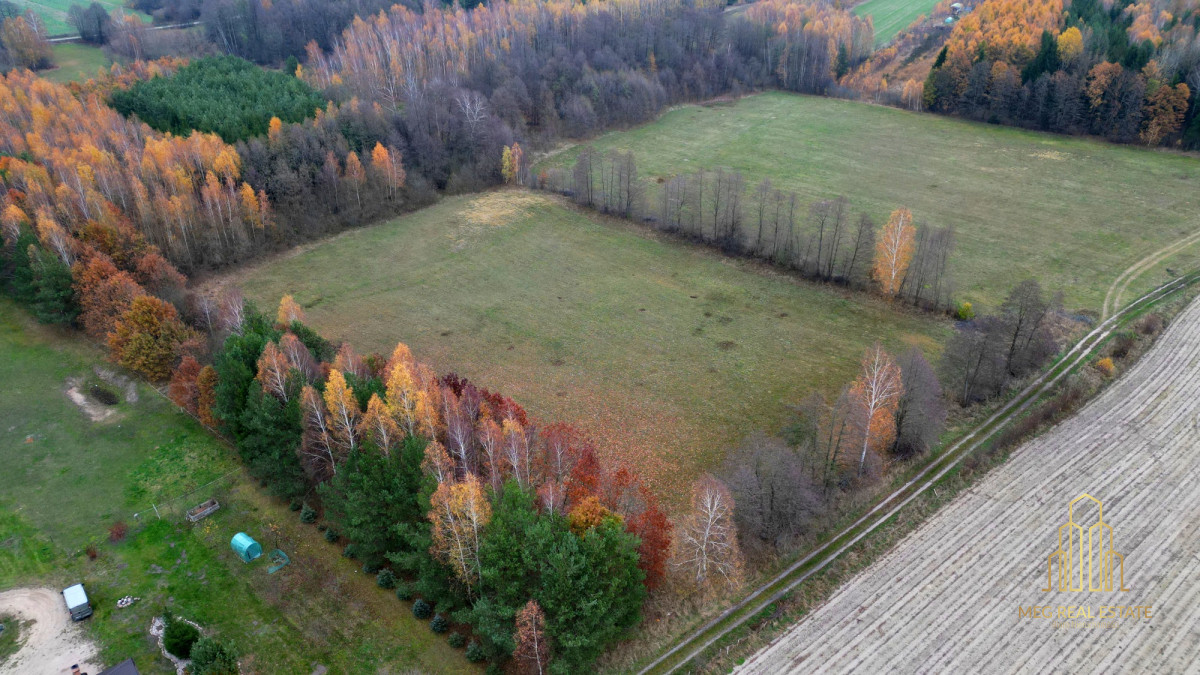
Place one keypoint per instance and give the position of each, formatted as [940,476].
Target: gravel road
[947,598]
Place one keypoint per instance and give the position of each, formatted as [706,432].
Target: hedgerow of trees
[824,241]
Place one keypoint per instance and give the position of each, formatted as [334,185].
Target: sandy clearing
[946,598]
[53,643]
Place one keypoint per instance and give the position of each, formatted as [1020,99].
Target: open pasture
[665,353]
[892,16]
[75,62]
[1071,212]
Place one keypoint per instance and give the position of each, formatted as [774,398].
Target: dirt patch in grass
[52,643]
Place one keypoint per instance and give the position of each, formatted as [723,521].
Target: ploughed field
[949,597]
[666,353]
[1072,212]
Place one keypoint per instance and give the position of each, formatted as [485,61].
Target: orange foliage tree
[148,338]
[893,251]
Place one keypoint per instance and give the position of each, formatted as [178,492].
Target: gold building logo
[1098,557]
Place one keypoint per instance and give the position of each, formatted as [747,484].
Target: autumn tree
[893,251]
[387,167]
[1164,112]
[532,651]
[706,545]
[184,388]
[105,294]
[289,311]
[148,338]
[273,371]
[356,176]
[877,392]
[379,427]
[319,452]
[24,38]
[458,513]
[512,163]
[206,396]
[343,411]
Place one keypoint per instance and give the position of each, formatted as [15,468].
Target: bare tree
[775,497]
[864,244]
[921,415]
[1024,315]
[706,547]
[762,197]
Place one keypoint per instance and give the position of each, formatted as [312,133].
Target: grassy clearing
[1070,211]
[892,16]
[68,478]
[11,637]
[666,353]
[54,12]
[75,63]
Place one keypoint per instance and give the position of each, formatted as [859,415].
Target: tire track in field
[946,598]
[1112,299]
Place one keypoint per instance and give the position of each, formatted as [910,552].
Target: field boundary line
[784,582]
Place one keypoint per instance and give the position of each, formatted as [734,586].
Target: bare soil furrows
[946,599]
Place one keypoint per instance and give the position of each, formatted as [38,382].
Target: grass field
[68,478]
[75,63]
[1071,212]
[54,12]
[892,16]
[666,354]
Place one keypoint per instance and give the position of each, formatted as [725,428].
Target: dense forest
[1126,71]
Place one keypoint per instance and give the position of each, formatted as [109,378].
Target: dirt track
[946,598]
[53,643]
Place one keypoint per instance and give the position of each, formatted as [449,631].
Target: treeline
[824,241]
[1125,71]
[540,71]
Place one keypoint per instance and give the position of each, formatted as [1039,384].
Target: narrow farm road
[948,598]
[1112,299]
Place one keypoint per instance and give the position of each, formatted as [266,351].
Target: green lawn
[75,63]
[54,12]
[1070,211]
[667,354]
[892,16]
[67,479]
